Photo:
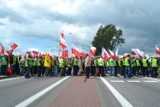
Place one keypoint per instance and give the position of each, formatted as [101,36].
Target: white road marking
[152,78]
[41,93]
[150,81]
[117,81]
[117,95]
[133,81]
[9,79]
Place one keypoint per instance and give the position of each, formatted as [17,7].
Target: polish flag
[138,53]
[63,43]
[77,52]
[105,54]
[64,53]
[157,50]
[93,50]
[62,34]
[2,51]
[14,46]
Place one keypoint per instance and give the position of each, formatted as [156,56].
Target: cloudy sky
[37,24]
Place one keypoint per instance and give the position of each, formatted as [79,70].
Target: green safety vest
[111,62]
[75,62]
[119,63]
[61,63]
[154,63]
[92,63]
[133,64]
[39,62]
[144,62]
[123,62]
[4,61]
[21,63]
[137,63]
[126,60]
[35,62]
[27,62]
[100,62]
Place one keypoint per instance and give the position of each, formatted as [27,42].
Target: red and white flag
[105,54]
[157,50]
[63,43]
[62,34]
[93,50]
[2,51]
[138,53]
[14,46]
[64,53]
[77,52]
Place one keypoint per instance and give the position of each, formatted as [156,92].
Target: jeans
[21,70]
[112,71]
[154,72]
[27,74]
[54,71]
[127,72]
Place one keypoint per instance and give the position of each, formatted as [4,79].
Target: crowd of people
[127,66]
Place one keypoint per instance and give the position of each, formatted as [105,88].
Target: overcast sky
[37,24]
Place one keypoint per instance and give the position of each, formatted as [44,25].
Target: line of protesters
[126,66]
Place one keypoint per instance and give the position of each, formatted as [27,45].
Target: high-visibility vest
[100,62]
[111,62]
[144,62]
[39,62]
[21,63]
[61,63]
[137,63]
[126,60]
[154,63]
[35,62]
[27,62]
[133,64]
[4,61]
[92,63]
[75,62]
[115,64]
[119,63]
[123,62]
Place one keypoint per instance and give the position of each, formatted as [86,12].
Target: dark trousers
[87,71]
[145,71]
[101,71]
[93,70]
[69,71]
[75,69]
[4,69]
[154,72]
[116,70]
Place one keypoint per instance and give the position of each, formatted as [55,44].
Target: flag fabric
[62,34]
[116,53]
[138,53]
[78,52]
[64,53]
[105,54]
[2,51]
[9,70]
[92,50]
[63,43]
[14,46]
[111,53]
[157,50]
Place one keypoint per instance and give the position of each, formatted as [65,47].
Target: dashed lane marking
[9,79]
[117,81]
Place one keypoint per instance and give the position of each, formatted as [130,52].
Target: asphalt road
[138,91]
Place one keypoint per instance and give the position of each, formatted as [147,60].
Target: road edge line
[117,95]
[39,94]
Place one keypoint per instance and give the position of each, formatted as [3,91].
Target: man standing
[88,65]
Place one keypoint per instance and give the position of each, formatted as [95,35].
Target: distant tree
[108,37]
